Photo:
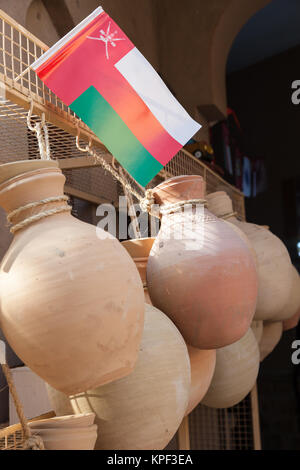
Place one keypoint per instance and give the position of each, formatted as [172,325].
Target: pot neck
[220,204]
[139,250]
[179,189]
[32,196]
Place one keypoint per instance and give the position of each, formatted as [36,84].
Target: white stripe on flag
[58,45]
[151,88]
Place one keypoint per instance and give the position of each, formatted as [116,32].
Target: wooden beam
[53,115]
[81,162]
[184,435]
[255,419]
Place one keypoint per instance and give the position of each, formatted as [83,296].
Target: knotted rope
[32,442]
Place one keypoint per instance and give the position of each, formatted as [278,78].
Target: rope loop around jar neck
[149,205]
[227,216]
[41,215]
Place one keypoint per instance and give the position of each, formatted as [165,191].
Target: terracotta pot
[271,336]
[235,374]
[202,362]
[139,250]
[293,304]
[274,265]
[144,410]
[200,272]
[291,322]
[257,327]
[72,304]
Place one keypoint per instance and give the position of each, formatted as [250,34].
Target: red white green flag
[99,73]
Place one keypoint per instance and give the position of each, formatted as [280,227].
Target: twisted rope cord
[31,442]
[31,205]
[133,217]
[148,200]
[41,131]
[177,206]
[41,215]
[227,216]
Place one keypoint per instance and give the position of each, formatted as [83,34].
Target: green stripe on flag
[103,120]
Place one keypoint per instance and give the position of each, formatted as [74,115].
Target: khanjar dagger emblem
[108,38]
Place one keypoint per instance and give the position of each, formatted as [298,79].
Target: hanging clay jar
[143,410]
[235,374]
[273,261]
[293,304]
[257,327]
[271,336]
[72,304]
[202,362]
[200,272]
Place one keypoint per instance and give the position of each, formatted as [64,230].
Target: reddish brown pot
[275,276]
[205,282]
[72,305]
[202,362]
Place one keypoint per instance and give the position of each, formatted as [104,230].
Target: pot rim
[177,179]
[13,169]
[22,176]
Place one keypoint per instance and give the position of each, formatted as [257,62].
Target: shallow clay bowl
[83,420]
[46,432]
[79,441]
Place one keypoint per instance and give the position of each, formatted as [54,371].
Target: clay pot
[257,327]
[271,336]
[291,322]
[235,374]
[139,250]
[200,272]
[274,265]
[143,410]
[202,362]
[293,304]
[72,304]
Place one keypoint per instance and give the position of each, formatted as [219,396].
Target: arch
[230,23]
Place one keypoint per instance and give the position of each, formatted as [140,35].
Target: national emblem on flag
[99,73]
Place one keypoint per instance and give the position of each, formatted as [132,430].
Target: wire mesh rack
[86,180]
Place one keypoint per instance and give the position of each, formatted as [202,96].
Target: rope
[41,215]
[36,204]
[133,217]
[41,131]
[227,216]
[177,206]
[147,201]
[31,442]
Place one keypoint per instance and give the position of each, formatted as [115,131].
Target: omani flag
[97,71]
